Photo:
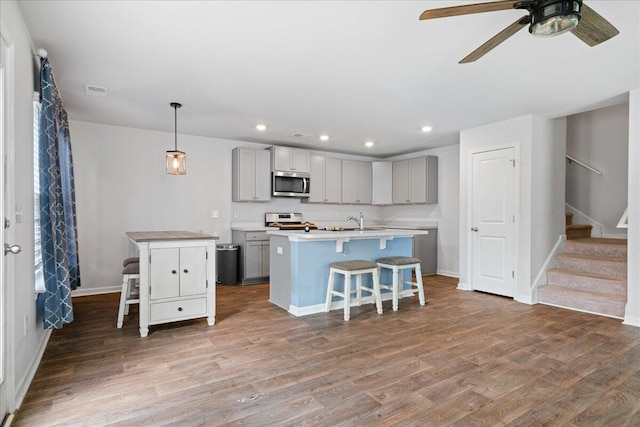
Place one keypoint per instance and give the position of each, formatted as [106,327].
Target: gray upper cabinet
[415,181]
[326,180]
[251,181]
[356,182]
[382,183]
[290,159]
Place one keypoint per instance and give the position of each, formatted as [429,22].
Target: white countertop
[320,235]
[400,225]
[249,226]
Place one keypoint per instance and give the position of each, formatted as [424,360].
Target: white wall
[121,186]
[26,348]
[548,152]
[540,187]
[599,138]
[446,213]
[632,311]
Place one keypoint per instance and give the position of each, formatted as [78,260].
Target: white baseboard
[339,305]
[631,321]
[464,287]
[549,263]
[448,273]
[79,292]
[25,382]
[526,299]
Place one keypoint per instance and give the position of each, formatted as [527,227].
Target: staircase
[591,276]
[576,231]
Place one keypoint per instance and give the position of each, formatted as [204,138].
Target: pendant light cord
[175,106]
[175,122]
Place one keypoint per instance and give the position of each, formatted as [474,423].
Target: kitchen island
[300,262]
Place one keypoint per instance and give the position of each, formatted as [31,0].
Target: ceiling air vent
[94,90]
[301,135]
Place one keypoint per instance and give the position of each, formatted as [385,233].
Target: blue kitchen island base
[300,264]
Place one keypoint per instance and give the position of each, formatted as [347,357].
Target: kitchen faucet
[359,221]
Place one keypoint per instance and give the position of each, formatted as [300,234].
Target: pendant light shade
[176,161]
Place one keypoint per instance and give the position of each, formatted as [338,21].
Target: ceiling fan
[545,18]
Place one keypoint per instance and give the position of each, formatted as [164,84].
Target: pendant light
[176,161]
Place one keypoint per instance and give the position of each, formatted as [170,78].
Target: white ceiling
[355,70]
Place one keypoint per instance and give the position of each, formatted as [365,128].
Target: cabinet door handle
[173,272]
[185,270]
[179,308]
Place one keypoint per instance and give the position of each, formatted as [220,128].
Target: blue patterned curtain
[58,227]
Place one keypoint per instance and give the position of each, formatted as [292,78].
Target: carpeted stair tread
[589,282]
[568,218]
[592,264]
[606,248]
[593,302]
[579,227]
[578,231]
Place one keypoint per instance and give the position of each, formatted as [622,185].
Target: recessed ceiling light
[368,144]
[324,137]
[261,127]
[426,129]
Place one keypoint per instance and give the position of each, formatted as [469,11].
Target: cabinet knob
[185,270]
[173,272]
[179,308]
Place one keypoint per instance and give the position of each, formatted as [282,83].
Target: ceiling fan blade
[467,9]
[593,29]
[496,40]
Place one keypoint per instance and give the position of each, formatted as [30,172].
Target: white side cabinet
[326,180]
[415,181]
[290,159]
[356,182]
[251,176]
[177,276]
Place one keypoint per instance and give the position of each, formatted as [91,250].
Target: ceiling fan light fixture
[555,17]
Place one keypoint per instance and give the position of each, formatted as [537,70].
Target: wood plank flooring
[464,359]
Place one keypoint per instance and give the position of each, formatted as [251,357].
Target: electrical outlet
[215,214]
[279,250]
[236,214]
[216,234]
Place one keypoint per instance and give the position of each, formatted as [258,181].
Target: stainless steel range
[287,221]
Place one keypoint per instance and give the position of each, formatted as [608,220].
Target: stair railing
[584,165]
[624,220]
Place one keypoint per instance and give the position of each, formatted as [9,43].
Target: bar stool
[131,260]
[353,268]
[397,265]
[130,275]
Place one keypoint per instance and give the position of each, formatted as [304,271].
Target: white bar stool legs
[398,265]
[353,268]
[130,274]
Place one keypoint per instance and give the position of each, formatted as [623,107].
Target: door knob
[474,228]
[15,249]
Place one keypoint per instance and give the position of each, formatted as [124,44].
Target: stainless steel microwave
[290,184]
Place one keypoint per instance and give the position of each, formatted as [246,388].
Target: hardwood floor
[464,359]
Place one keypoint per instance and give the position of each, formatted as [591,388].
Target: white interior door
[6,233]
[493,218]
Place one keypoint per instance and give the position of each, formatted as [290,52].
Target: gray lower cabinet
[253,262]
[425,248]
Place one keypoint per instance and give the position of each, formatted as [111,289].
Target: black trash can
[227,263]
